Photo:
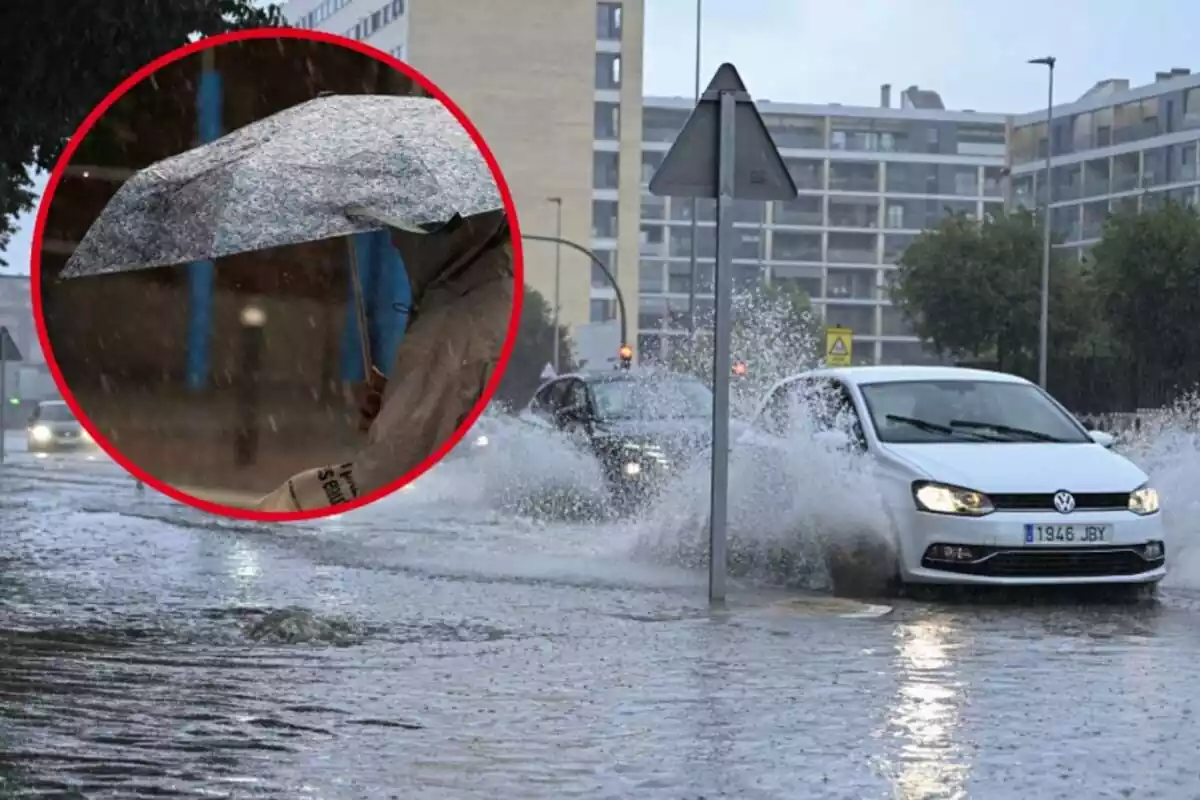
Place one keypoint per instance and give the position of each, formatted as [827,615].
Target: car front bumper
[60,442]
[993,551]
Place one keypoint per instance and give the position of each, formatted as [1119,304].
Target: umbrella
[291,178]
[334,166]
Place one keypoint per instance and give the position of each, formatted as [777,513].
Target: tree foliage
[973,288]
[533,351]
[62,57]
[1146,277]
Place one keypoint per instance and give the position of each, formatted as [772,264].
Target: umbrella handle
[360,308]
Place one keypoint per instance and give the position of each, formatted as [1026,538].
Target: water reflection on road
[420,651]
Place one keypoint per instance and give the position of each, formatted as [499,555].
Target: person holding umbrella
[462,281]
[337,166]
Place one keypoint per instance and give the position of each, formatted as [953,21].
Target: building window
[662,124]
[858,318]
[606,170]
[609,259]
[608,121]
[608,71]
[601,310]
[796,132]
[853,284]
[654,208]
[650,277]
[652,240]
[604,219]
[608,22]
[651,161]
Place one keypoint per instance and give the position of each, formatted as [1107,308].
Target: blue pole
[351,355]
[200,273]
[391,301]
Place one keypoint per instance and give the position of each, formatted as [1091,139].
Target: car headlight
[41,433]
[481,441]
[632,468]
[939,498]
[87,437]
[1143,501]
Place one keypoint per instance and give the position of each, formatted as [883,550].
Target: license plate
[1066,535]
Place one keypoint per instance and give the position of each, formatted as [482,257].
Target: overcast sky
[973,53]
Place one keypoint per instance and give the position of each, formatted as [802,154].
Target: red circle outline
[35,273]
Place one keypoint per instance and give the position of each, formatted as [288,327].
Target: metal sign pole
[723,328]
[724,152]
[3,395]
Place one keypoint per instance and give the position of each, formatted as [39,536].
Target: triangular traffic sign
[691,165]
[838,348]
[548,372]
[8,348]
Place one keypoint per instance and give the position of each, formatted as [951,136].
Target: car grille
[1095,562]
[1106,501]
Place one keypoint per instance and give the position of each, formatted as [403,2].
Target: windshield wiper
[933,427]
[1006,430]
[920,424]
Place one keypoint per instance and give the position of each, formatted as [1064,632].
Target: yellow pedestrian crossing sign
[839,347]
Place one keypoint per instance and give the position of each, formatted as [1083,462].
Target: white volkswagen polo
[985,477]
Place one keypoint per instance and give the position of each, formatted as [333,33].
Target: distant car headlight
[481,441]
[939,498]
[1144,501]
[632,468]
[41,433]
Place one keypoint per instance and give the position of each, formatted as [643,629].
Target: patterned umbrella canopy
[332,166]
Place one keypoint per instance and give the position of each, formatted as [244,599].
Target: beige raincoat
[462,285]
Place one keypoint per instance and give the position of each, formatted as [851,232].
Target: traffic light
[626,355]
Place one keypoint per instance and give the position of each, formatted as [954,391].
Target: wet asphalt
[425,648]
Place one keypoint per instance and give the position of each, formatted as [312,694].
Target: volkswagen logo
[1064,502]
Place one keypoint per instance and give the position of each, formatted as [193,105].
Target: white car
[985,477]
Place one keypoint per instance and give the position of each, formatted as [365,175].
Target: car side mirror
[1105,440]
[577,413]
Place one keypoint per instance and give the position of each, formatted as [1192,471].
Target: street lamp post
[557,201]
[1044,320]
[695,270]
[598,264]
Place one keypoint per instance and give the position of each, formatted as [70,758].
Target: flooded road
[427,649]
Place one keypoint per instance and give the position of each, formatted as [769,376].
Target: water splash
[1166,444]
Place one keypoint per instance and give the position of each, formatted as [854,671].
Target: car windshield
[55,412]
[672,398]
[933,411]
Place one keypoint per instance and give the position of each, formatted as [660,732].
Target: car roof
[896,374]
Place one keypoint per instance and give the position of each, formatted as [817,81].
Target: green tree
[63,56]
[973,288]
[533,351]
[1146,273]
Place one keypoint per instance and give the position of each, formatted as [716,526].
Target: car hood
[1022,468]
[681,439]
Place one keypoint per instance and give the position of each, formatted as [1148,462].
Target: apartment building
[550,84]
[869,180]
[1117,147]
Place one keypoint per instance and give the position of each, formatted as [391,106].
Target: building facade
[552,85]
[1116,148]
[869,180]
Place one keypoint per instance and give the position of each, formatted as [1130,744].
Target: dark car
[53,426]
[642,425]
